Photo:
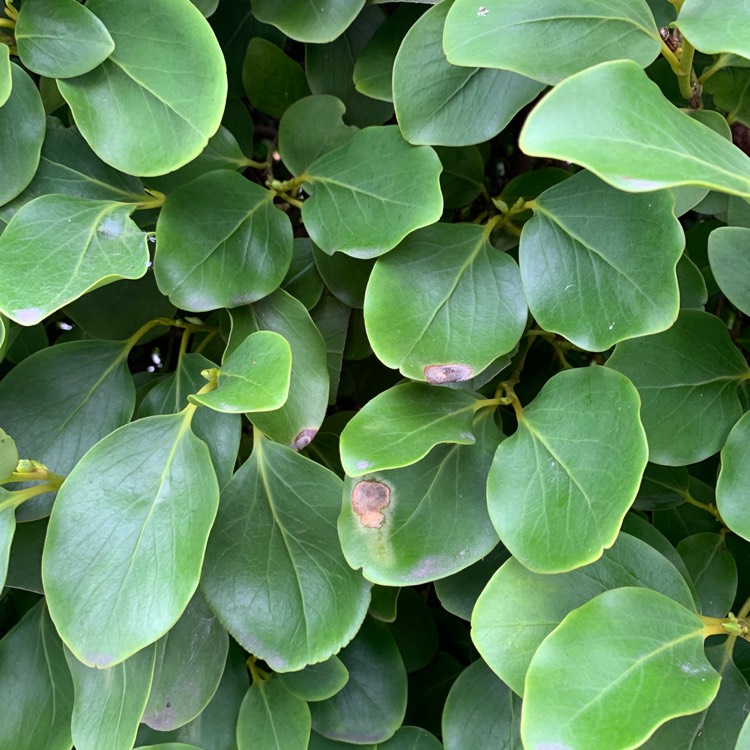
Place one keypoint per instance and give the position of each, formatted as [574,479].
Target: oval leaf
[147,494]
[305,20]
[711,30]
[713,570]
[730,264]
[574,461]
[317,682]
[734,479]
[6,74]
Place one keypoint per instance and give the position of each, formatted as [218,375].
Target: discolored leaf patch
[438,374]
[368,500]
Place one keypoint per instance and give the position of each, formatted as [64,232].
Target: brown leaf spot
[304,439]
[368,499]
[438,374]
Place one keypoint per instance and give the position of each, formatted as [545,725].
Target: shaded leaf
[731,487]
[317,682]
[729,255]
[713,570]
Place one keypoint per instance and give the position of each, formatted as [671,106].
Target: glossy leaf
[20,147]
[614,264]
[710,30]
[602,662]
[285,507]
[317,682]
[162,118]
[81,243]
[189,664]
[518,608]
[425,521]
[255,376]
[730,263]
[61,38]
[35,686]
[440,103]
[109,702]
[575,462]
[305,21]
[370,192]
[552,41]
[731,488]
[687,378]
[444,304]
[6,74]
[588,119]
[401,425]
[147,493]
[241,252]
[713,570]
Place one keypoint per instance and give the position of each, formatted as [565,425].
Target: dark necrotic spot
[437,374]
[368,499]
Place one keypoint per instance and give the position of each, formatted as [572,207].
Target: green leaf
[425,521]
[35,687]
[345,277]
[687,378]
[729,90]
[79,243]
[711,29]
[150,119]
[575,462]
[305,21]
[6,74]
[311,603]
[332,320]
[371,706]
[297,421]
[20,147]
[662,487]
[272,80]
[731,488]
[481,712]
[311,127]
[25,564]
[401,425]
[411,738]
[444,304]
[61,38]
[109,702]
[614,262]
[693,291]
[614,670]
[550,41]
[221,243]
[369,193]
[8,454]
[437,102]
[415,630]
[272,718]
[147,493]
[61,400]
[255,376]
[7,532]
[518,608]
[190,662]
[730,264]
[713,570]
[317,682]
[462,178]
[588,119]
[302,280]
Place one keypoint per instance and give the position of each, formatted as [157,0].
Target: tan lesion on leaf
[369,498]
[439,374]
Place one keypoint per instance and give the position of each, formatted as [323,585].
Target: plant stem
[720,64]
[15,498]
[712,509]
[38,475]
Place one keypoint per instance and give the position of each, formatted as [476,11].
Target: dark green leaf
[302,280]
[713,571]
[411,738]
[317,682]
[462,177]
[345,277]
[729,89]
[693,292]
[332,319]
[415,630]
[25,565]
[662,487]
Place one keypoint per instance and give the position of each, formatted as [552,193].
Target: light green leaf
[297,421]
[272,718]
[311,602]
[317,682]
[614,262]
[589,119]
[444,304]
[221,243]
[687,378]
[61,38]
[440,103]
[729,255]
[20,147]
[425,521]
[731,488]
[168,746]
[109,702]
[371,706]
[306,21]
[729,90]
[311,127]
[147,494]
[552,40]
[61,400]
[8,454]
[518,608]
[481,712]
[401,425]
[58,247]
[36,692]
[255,376]
[7,532]
[713,570]
[614,670]
[6,74]
[575,462]
[369,193]
[411,738]
[710,28]
[190,661]
[151,118]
